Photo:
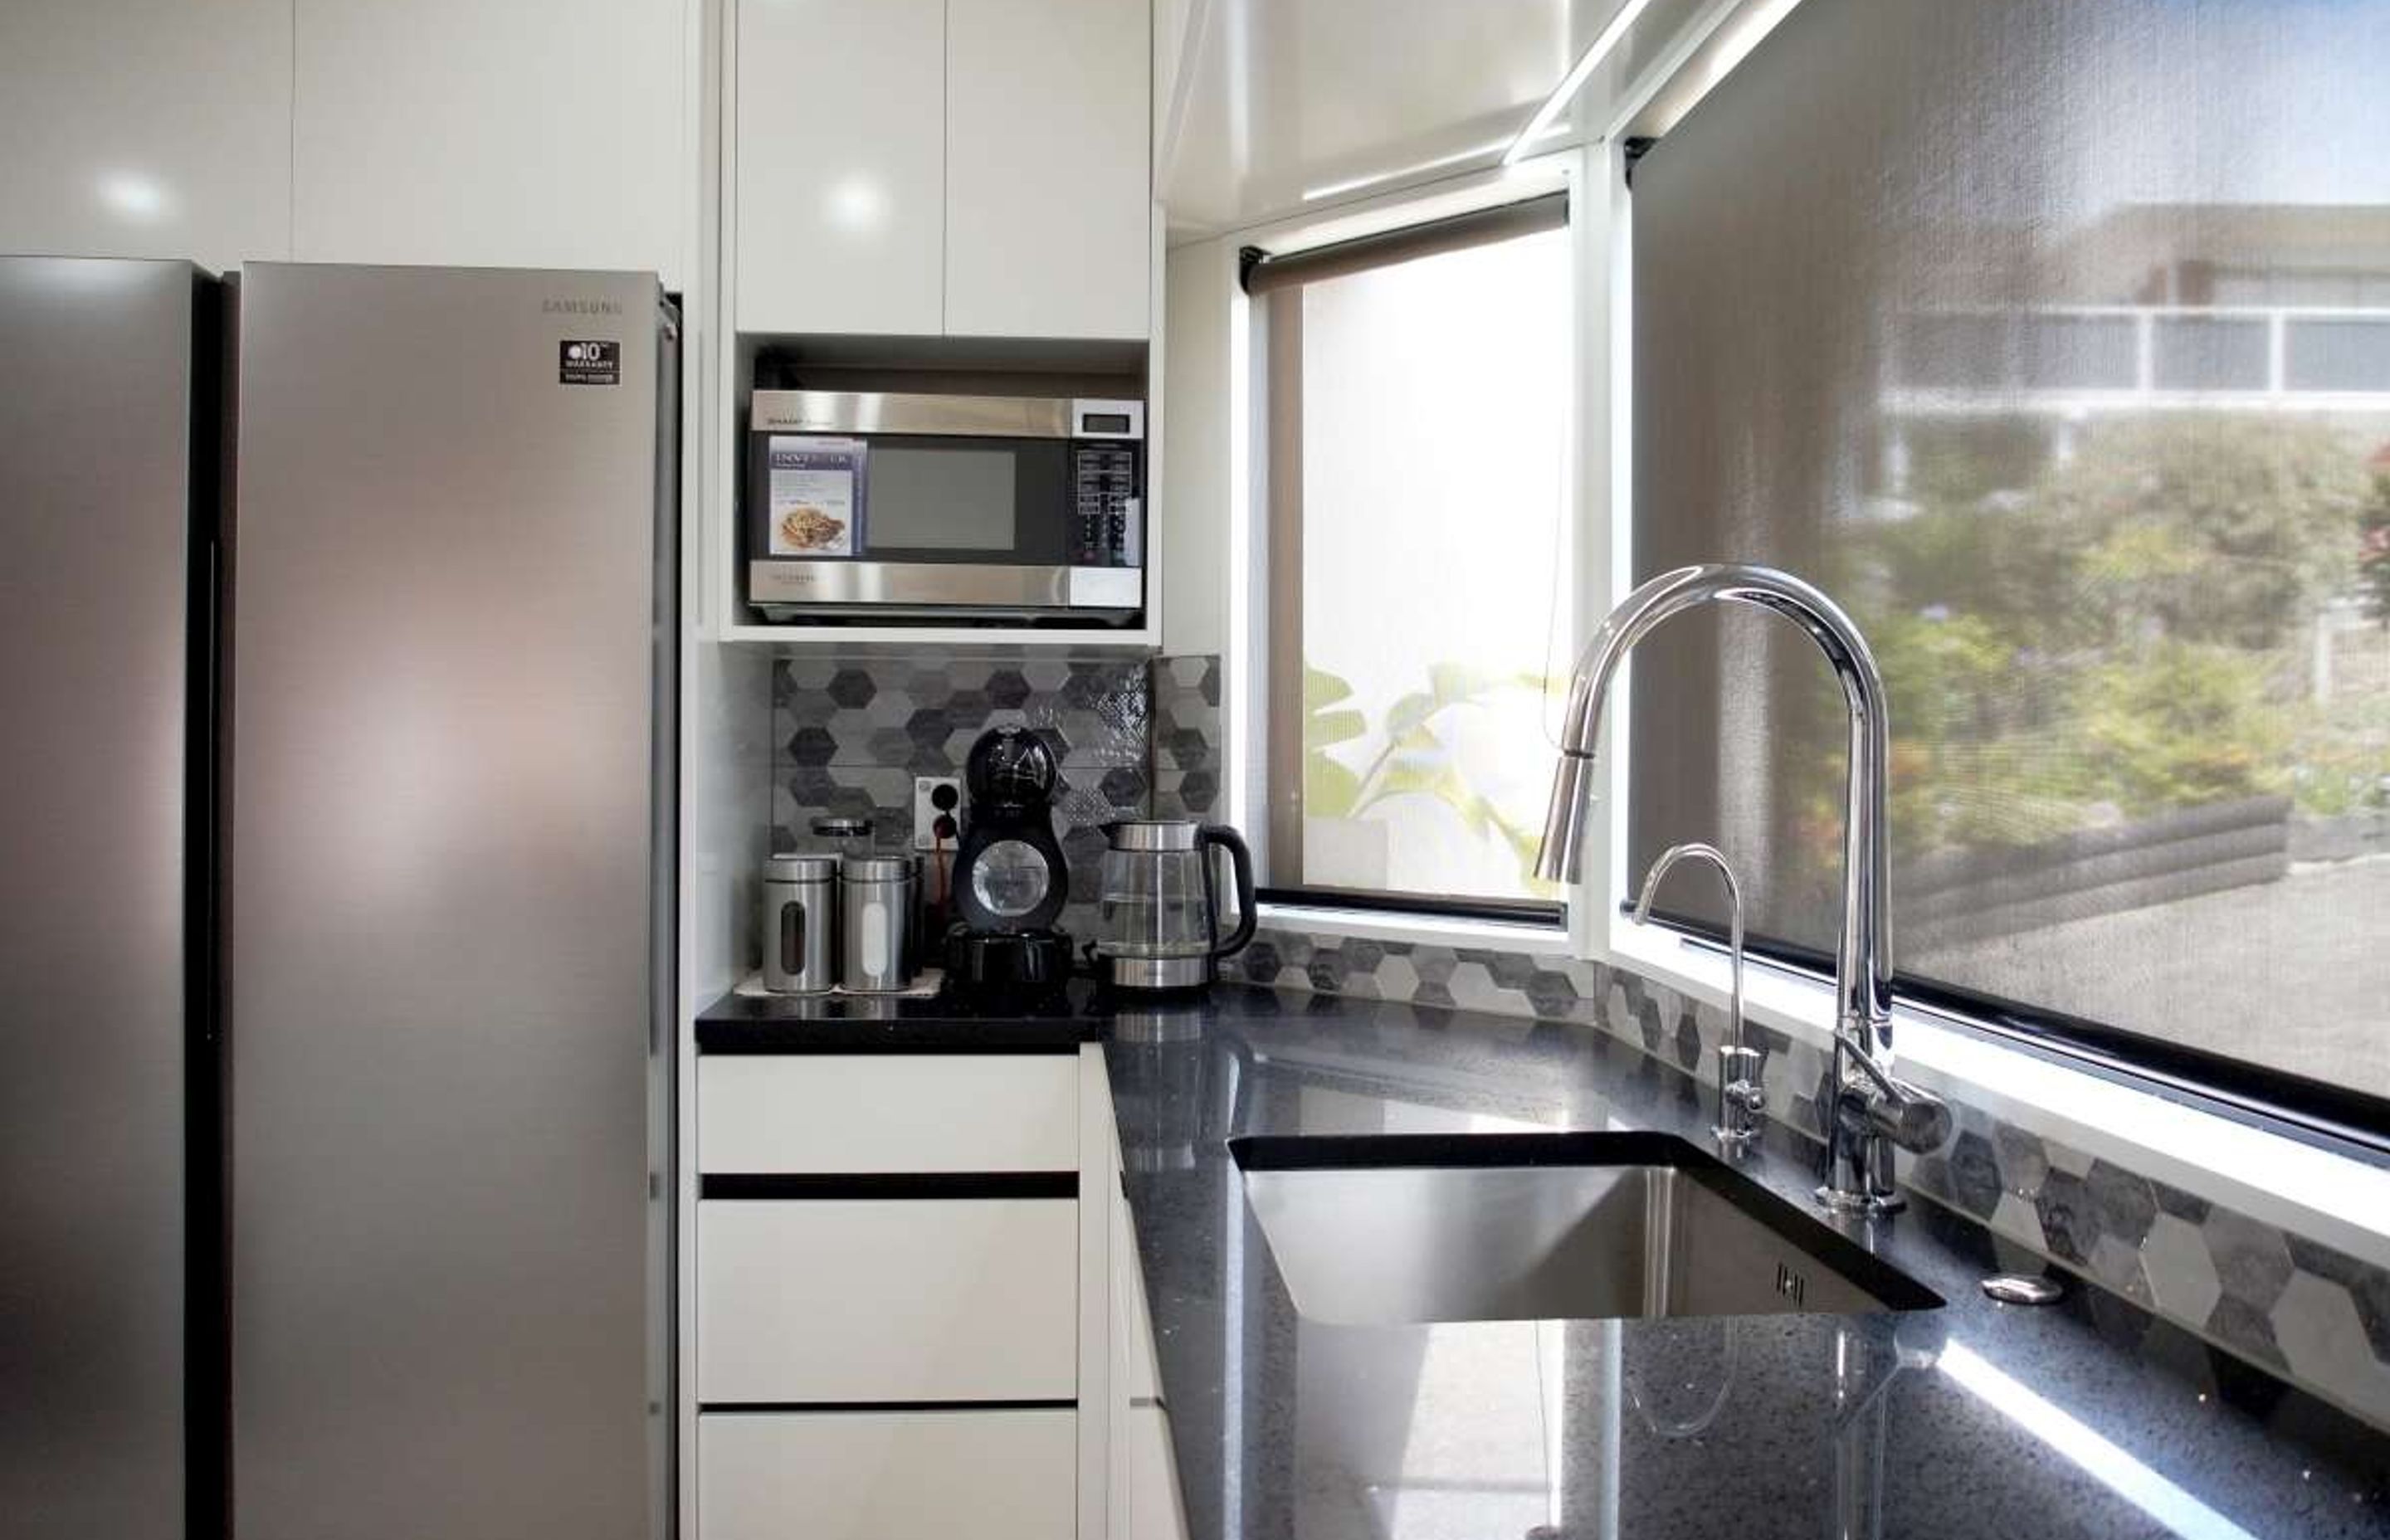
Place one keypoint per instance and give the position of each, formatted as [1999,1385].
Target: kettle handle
[1241,863]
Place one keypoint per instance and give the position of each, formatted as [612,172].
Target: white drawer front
[888,1112]
[1008,1475]
[877,1301]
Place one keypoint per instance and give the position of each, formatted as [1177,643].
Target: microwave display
[972,509]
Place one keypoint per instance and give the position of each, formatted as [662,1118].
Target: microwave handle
[1132,550]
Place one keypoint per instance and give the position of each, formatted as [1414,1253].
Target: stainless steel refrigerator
[337,872]
[448,914]
[107,490]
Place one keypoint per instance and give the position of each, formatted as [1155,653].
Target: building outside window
[2080,402]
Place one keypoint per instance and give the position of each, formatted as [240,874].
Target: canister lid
[800,868]
[841,828]
[878,869]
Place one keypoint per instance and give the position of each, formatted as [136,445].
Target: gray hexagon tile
[2322,1338]
[2117,1263]
[2122,1201]
[2018,1220]
[2180,1269]
[2252,1262]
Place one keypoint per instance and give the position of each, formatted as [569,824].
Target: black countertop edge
[1057,1022]
[2092,1417]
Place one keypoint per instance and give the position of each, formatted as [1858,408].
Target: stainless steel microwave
[953,507]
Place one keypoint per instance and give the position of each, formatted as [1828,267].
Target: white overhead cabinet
[967,168]
[140,130]
[533,134]
[839,155]
[1049,187]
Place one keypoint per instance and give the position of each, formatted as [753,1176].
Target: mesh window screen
[2053,339]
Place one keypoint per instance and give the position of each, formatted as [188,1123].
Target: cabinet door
[887,1113]
[533,134]
[1007,1475]
[140,130]
[840,151]
[860,1300]
[1048,186]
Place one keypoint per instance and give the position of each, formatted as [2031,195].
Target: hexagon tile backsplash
[1132,738]
[849,735]
[1186,746]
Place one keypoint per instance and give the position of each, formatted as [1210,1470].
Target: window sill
[2315,1192]
[1418,930]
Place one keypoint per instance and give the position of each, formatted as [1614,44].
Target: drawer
[888,1112]
[888,1300]
[997,1475]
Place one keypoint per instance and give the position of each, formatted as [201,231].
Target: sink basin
[1396,1230]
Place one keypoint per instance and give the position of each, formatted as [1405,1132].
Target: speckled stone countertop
[2088,1418]
[1051,1021]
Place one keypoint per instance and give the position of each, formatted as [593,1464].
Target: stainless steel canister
[799,924]
[880,897]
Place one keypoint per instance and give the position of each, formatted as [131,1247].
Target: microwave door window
[937,500]
[967,501]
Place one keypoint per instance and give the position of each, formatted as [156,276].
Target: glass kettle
[1160,910]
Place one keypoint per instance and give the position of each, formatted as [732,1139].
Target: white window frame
[1588,509]
[2267,1175]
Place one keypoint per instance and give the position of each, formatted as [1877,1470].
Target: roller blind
[2053,339]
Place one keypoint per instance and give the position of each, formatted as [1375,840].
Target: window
[1417,390]
[2062,367]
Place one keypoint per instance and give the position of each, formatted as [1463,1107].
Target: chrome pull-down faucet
[1870,1112]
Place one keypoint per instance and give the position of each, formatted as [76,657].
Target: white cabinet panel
[141,130]
[888,1112]
[1154,1510]
[1048,194]
[840,152]
[529,134]
[873,1475]
[861,1300]
[1136,1372]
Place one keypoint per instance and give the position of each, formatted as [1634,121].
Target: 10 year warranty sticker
[589,362]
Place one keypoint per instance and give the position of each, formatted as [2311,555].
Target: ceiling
[1277,106]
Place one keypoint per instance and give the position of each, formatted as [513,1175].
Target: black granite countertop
[950,1021]
[2088,1417]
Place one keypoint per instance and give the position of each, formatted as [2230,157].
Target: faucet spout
[1863,953]
[1863,949]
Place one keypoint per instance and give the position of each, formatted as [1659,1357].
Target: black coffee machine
[1010,881]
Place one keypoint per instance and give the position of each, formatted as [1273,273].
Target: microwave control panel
[1108,523]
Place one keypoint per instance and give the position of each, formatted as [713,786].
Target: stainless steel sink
[1383,1230]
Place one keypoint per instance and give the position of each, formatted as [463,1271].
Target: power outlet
[936,796]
